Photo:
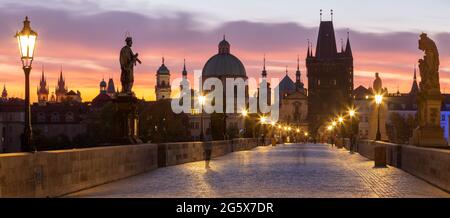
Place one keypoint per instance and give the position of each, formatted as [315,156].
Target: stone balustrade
[56,173]
[429,164]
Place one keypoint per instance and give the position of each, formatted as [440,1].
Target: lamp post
[201,100]
[352,114]
[26,39]
[330,129]
[263,121]
[378,101]
[334,124]
[244,114]
[280,133]
[341,121]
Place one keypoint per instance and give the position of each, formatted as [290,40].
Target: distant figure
[208,151]
[127,62]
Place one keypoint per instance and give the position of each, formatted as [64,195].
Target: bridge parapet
[429,164]
[56,173]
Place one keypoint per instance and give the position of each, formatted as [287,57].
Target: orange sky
[87,48]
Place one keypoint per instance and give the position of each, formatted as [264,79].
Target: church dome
[103,83]
[224,64]
[163,69]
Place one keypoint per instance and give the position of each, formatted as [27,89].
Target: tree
[159,124]
[400,128]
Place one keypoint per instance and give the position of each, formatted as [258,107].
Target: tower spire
[348,48]
[331,14]
[298,73]
[307,53]
[184,68]
[264,72]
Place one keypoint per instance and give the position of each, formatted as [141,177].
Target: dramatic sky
[85,36]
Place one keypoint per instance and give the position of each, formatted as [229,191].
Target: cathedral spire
[415,86]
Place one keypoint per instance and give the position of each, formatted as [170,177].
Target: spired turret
[43,89]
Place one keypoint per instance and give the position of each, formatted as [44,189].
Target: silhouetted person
[208,151]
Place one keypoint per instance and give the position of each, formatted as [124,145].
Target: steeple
[415,86]
[264,72]
[298,73]
[111,89]
[42,89]
[61,89]
[4,93]
[348,48]
[184,73]
[298,77]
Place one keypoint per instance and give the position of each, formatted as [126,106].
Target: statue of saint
[127,62]
[377,84]
[429,65]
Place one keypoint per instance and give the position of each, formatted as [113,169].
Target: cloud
[88,45]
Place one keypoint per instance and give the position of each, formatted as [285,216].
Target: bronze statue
[127,62]
[429,65]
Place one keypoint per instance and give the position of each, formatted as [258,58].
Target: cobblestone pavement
[291,170]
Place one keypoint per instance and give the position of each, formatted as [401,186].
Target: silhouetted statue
[127,62]
[429,65]
[429,132]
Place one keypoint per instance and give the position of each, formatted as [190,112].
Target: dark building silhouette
[330,77]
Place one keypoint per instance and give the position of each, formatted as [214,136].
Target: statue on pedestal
[126,104]
[429,132]
[127,62]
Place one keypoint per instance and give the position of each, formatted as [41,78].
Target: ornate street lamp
[378,101]
[26,39]
[341,121]
[201,100]
[352,114]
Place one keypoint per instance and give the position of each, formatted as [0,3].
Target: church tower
[264,82]
[42,90]
[184,80]
[111,90]
[330,77]
[162,87]
[61,88]
[4,94]
[103,86]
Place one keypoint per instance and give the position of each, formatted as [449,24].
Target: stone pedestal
[126,129]
[429,133]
